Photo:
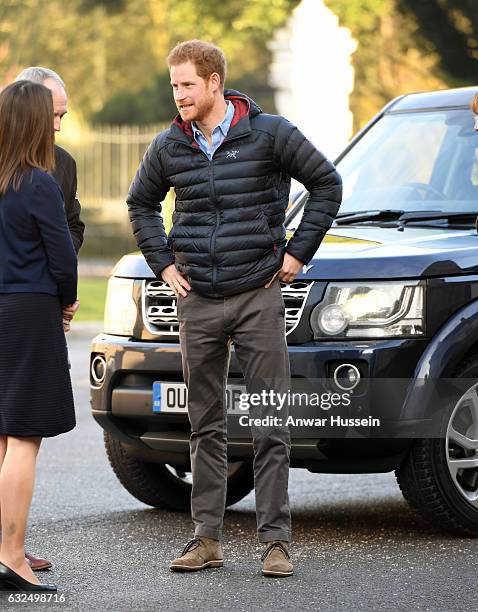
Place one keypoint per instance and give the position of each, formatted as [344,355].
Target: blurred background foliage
[408,45]
[112,52]
[109,51]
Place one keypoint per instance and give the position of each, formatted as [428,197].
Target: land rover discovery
[386,315]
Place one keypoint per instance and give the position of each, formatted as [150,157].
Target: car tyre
[161,486]
[425,478]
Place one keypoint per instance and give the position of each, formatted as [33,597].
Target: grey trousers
[254,322]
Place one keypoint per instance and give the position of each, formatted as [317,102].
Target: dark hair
[206,57]
[26,132]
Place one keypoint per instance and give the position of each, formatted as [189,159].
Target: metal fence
[107,158]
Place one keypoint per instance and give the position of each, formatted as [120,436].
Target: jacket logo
[305,269]
[231,154]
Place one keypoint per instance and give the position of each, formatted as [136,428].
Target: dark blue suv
[382,325]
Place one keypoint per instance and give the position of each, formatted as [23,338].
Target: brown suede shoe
[37,564]
[276,559]
[198,554]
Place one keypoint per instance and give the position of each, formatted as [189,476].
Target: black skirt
[36,398]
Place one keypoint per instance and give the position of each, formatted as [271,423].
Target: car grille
[159,309]
[295,295]
[160,315]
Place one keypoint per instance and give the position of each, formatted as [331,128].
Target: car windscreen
[413,161]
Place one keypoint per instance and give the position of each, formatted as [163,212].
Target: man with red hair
[230,165]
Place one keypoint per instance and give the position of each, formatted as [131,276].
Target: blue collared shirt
[218,133]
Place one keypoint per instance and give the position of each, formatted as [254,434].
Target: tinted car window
[412,161]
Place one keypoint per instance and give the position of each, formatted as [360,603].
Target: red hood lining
[241,105]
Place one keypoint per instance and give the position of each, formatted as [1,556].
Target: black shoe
[11,581]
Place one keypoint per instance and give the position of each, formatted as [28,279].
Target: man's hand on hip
[176,280]
[290,268]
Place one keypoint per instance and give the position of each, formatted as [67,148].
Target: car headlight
[370,310]
[120,308]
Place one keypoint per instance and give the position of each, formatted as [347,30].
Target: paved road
[357,545]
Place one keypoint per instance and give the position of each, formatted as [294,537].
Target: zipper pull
[275,249]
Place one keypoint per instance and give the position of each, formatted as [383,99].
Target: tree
[408,45]
[450,27]
[111,6]
[105,48]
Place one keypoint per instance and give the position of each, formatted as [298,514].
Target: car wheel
[439,477]
[163,486]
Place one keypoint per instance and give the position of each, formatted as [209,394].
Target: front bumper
[122,403]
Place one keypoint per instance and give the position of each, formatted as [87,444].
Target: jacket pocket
[170,239]
[267,231]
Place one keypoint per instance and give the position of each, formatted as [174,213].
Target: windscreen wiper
[402,217]
[387,214]
[430,215]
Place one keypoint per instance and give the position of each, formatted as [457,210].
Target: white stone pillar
[313,75]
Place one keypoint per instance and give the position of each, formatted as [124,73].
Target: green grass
[92,294]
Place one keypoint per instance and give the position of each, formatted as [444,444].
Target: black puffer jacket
[228,232]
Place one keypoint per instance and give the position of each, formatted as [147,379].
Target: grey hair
[38,74]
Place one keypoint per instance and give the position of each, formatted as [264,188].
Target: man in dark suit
[65,175]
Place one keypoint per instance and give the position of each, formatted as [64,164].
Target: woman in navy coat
[38,284]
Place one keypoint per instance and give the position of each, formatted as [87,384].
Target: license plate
[173,397]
